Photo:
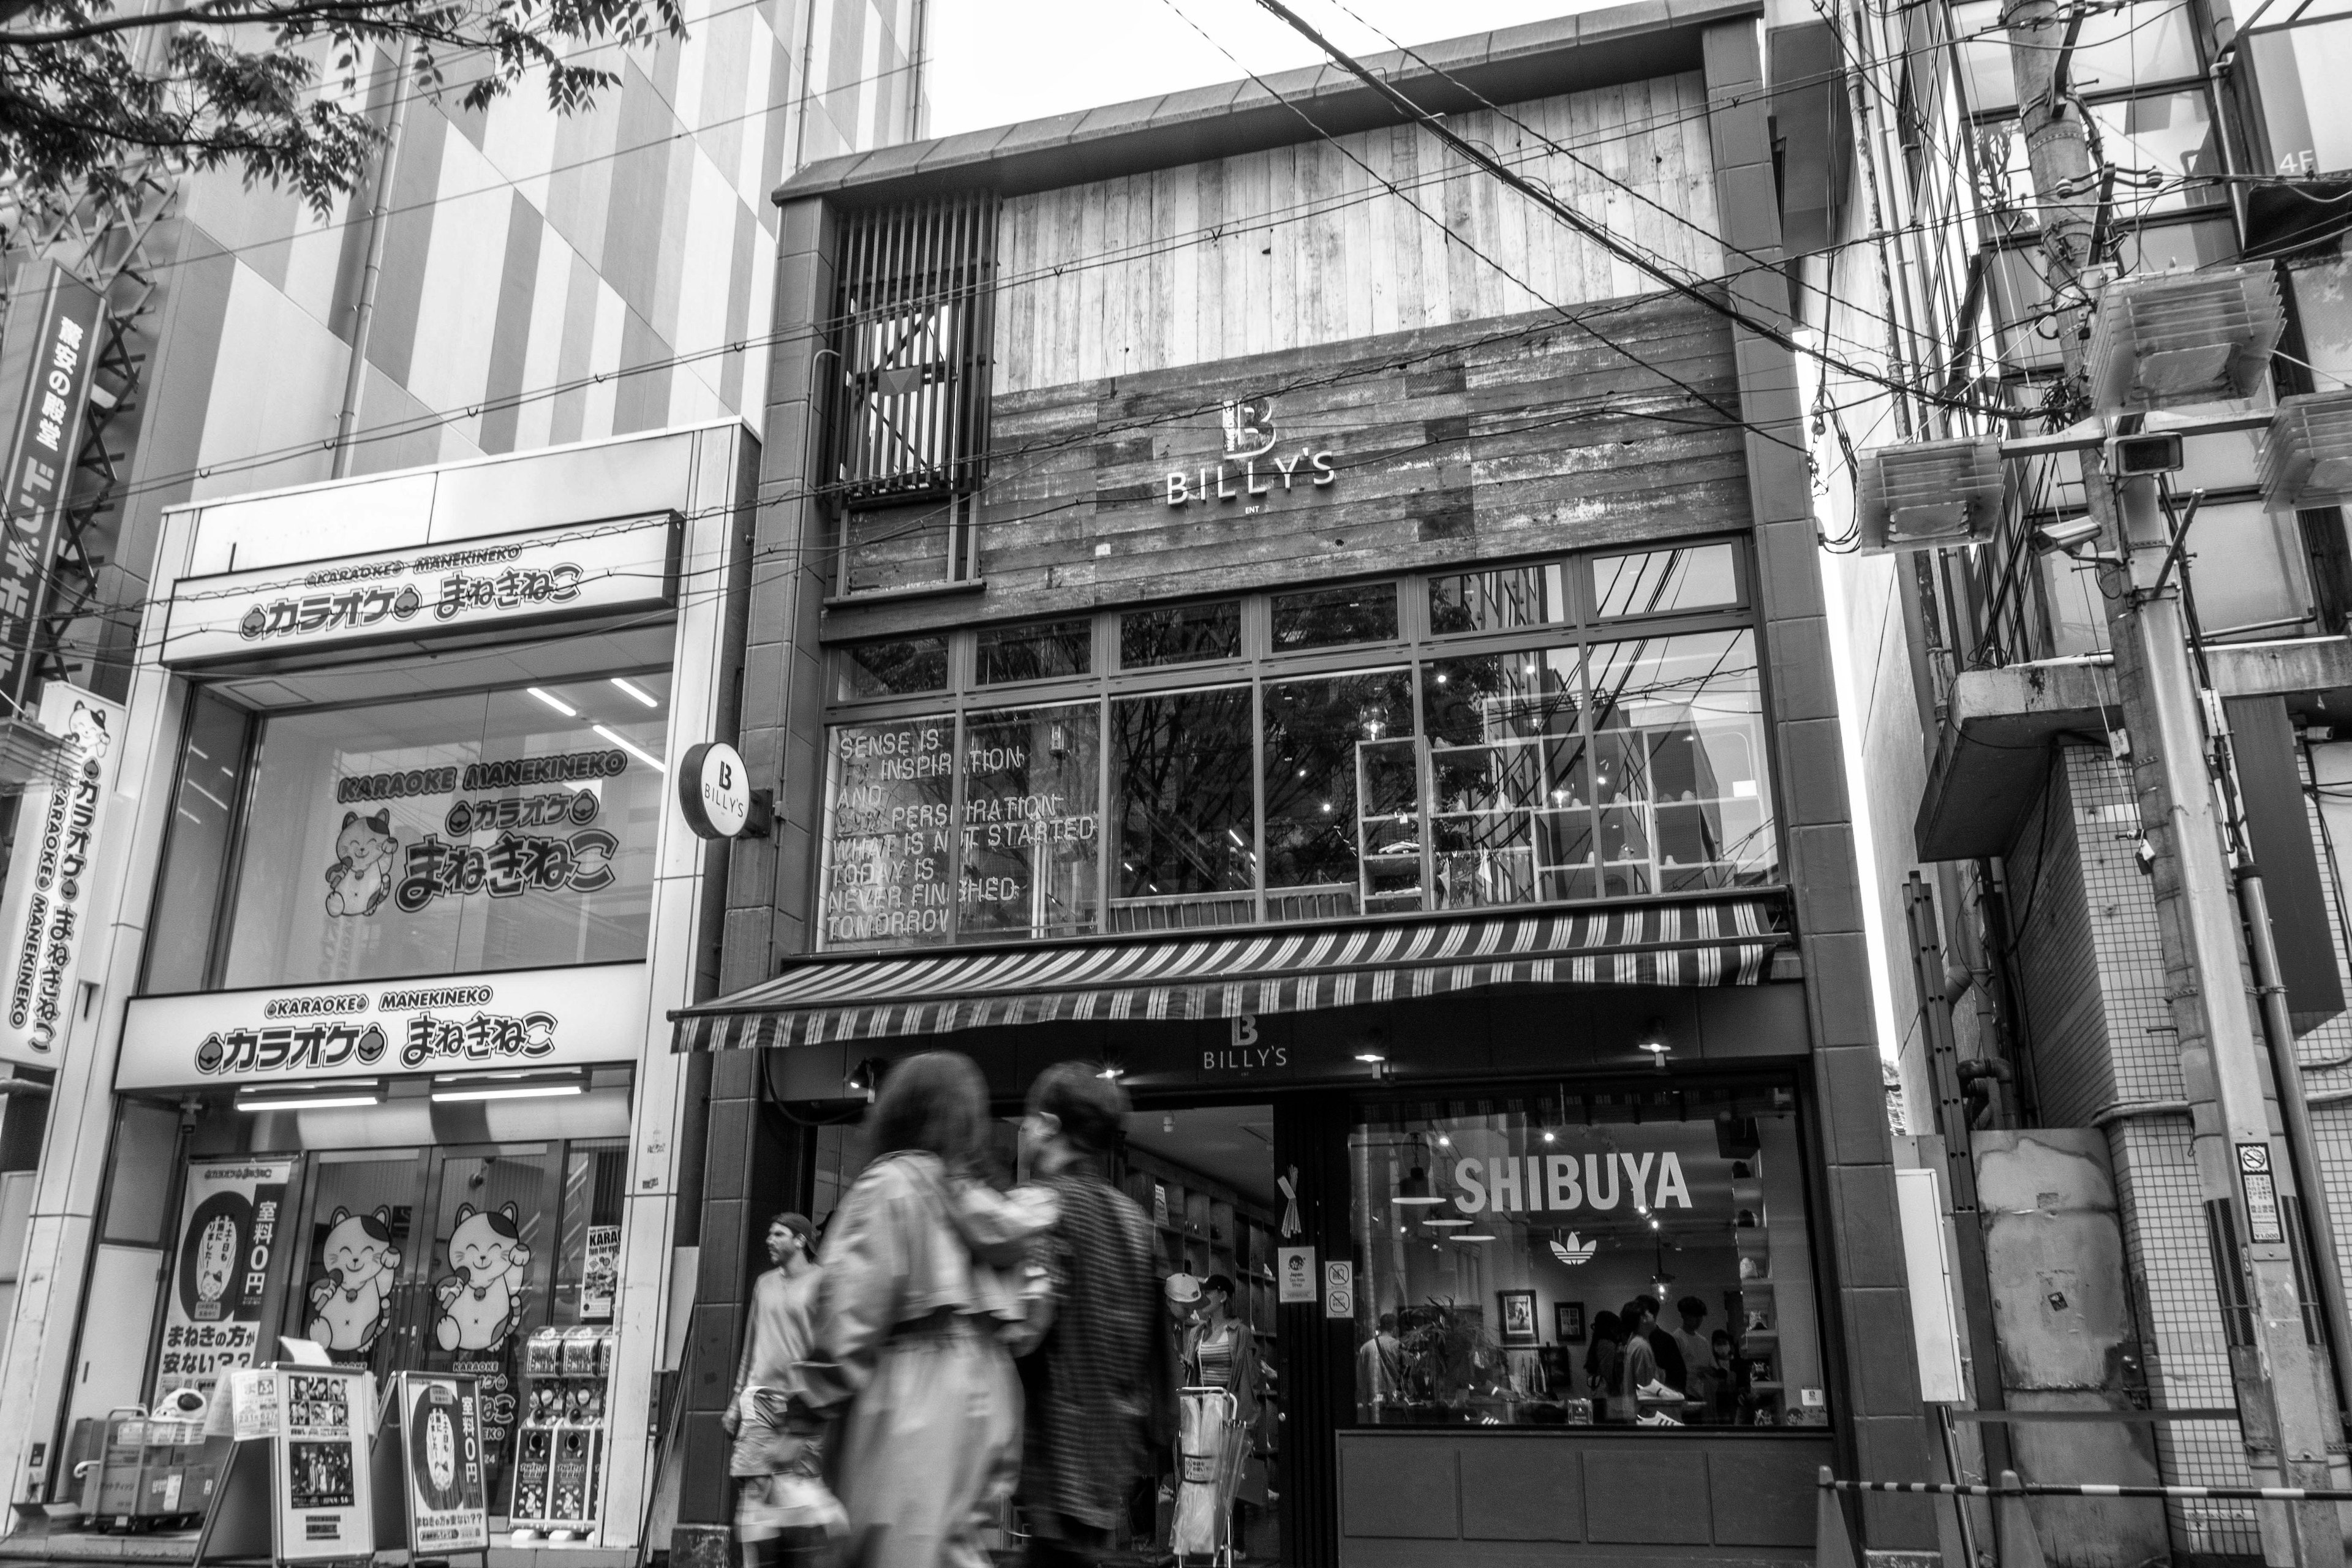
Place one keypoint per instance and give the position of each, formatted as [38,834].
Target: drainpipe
[347,419]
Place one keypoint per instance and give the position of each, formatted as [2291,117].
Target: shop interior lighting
[455,1086]
[1923,494]
[1445,1222]
[1654,1040]
[1374,1058]
[2178,338]
[1475,1235]
[639,693]
[312,1095]
[554,702]
[1414,1191]
[637,751]
[2307,461]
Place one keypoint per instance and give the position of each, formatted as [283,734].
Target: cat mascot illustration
[361,876]
[481,1302]
[348,1308]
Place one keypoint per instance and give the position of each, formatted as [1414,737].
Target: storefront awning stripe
[1725,941]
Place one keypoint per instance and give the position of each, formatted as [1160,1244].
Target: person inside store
[1087,1384]
[773,1464]
[1600,1358]
[1379,1367]
[1221,1351]
[1668,1354]
[1637,1376]
[1725,1401]
[1697,1353]
[922,1300]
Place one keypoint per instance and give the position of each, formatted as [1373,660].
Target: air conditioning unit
[2308,459]
[1930,493]
[2180,338]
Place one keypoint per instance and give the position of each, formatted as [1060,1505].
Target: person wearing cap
[779,1336]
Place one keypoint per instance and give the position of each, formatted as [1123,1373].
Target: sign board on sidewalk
[431,1494]
[296,1489]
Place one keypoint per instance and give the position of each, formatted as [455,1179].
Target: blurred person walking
[919,1306]
[1093,1384]
[782,1511]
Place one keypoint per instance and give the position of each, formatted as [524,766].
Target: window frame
[1257,665]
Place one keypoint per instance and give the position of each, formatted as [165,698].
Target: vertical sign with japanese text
[57,349]
[45,908]
[225,1280]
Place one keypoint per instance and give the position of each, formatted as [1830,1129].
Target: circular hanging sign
[715,790]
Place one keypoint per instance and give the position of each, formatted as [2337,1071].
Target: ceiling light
[554,701]
[1373,1056]
[1473,1236]
[1443,1142]
[312,1095]
[637,751]
[1111,1073]
[1551,1138]
[1414,1191]
[1437,1222]
[456,1086]
[639,693]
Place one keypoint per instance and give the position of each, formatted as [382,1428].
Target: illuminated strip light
[637,751]
[554,702]
[456,1088]
[311,1096]
[640,693]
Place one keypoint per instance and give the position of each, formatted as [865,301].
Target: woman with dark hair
[1600,1356]
[919,1293]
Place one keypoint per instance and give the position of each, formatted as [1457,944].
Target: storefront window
[1185,633]
[1678,781]
[1032,834]
[1510,779]
[2299,70]
[499,830]
[1043,652]
[906,667]
[889,806]
[1342,819]
[1510,1248]
[1661,581]
[196,862]
[1328,618]
[1496,601]
[1187,816]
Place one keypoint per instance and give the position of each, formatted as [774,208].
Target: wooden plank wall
[1455,443]
[1302,246]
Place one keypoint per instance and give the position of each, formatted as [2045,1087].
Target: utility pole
[2286,1404]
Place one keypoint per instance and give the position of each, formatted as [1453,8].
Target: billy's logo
[1250,468]
[1249,427]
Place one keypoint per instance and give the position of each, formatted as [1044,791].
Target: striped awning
[1186,974]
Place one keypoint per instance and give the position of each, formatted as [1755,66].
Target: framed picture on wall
[1518,1317]
[1568,1322]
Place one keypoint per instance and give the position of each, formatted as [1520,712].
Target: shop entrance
[446,1259]
[1204,1175]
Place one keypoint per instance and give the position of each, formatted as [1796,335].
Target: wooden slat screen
[915,318]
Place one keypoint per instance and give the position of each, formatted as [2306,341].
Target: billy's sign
[1253,465]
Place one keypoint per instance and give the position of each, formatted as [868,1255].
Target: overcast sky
[994,61]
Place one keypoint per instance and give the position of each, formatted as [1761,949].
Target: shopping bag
[1207,1445]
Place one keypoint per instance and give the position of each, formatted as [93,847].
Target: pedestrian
[1090,1384]
[919,1292]
[1637,1368]
[1380,1368]
[780,1516]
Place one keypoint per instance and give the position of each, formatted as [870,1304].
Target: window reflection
[1328,618]
[1044,652]
[1659,582]
[898,668]
[1678,765]
[1183,634]
[1030,830]
[1180,795]
[2167,136]
[1510,791]
[1496,601]
[1341,806]
[886,824]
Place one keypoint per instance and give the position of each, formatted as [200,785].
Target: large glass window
[1515,758]
[1618,1257]
[195,865]
[2300,71]
[1186,812]
[497,830]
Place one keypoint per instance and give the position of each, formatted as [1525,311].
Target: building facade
[1250,603]
[392,894]
[2023,945]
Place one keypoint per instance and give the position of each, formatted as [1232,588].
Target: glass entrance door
[444,1260]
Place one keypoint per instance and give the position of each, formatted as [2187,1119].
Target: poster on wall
[600,1275]
[502,580]
[226,1273]
[477,1307]
[513,1018]
[45,908]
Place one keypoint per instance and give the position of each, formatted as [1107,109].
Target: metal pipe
[2294,1113]
[347,417]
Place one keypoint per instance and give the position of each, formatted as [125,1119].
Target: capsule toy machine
[559,1462]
